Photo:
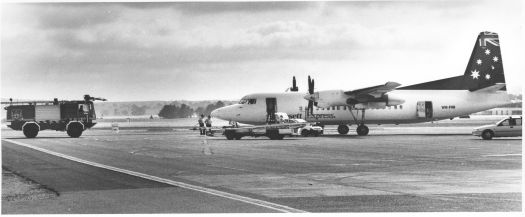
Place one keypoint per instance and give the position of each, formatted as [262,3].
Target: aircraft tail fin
[485,67]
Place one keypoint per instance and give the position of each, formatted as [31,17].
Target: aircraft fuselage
[433,105]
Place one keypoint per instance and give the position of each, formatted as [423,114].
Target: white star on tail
[487,51]
[475,74]
[487,76]
[495,59]
[479,62]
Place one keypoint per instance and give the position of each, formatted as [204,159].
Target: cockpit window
[248,101]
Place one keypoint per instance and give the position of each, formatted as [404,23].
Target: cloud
[204,8]
[75,15]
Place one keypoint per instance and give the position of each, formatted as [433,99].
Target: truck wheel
[304,132]
[362,130]
[30,130]
[274,135]
[487,135]
[74,130]
[229,135]
[315,133]
[343,129]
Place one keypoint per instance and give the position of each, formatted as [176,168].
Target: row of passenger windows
[346,107]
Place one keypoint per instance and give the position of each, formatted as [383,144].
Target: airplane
[481,87]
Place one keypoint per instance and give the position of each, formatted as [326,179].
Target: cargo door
[424,109]
[47,113]
[271,108]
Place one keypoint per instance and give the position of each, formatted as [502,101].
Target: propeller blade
[310,108]
[310,85]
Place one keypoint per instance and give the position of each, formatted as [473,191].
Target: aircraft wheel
[487,135]
[74,130]
[30,130]
[362,130]
[343,129]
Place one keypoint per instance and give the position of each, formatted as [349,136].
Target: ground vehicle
[33,116]
[507,127]
[276,130]
[308,129]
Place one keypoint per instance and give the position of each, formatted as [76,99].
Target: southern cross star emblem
[487,52]
[495,59]
[475,74]
[487,76]
[479,62]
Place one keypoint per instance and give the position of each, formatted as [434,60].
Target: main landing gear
[361,130]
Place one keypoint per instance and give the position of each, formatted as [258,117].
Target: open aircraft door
[271,108]
[424,109]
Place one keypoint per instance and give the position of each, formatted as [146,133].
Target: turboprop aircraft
[481,87]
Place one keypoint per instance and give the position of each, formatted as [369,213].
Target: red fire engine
[33,116]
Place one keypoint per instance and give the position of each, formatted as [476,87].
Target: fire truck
[33,116]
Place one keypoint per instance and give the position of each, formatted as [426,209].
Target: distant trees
[174,111]
[138,110]
[184,111]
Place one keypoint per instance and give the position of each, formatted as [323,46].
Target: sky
[224,50]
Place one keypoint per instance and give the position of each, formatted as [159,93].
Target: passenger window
[504,123]
[395,107]
[518,122]
[328,108]
[344,107]
[333,107]
[512,122]
[252,101]
[337,107]
[400,106]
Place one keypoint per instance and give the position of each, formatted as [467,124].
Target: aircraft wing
[375,91]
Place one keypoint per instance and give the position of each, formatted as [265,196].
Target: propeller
[310,96]
[294,87]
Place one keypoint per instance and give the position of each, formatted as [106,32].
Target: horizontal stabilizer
[492,88]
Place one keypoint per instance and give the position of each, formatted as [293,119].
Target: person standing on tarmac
[208,123]
[201,125]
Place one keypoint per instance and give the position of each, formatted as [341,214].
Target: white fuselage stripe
[266,204]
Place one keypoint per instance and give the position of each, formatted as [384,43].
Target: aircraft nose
[216,113]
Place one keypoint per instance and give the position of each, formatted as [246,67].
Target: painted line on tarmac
[244,199]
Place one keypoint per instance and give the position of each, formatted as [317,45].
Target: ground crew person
[201,125]
[208,123]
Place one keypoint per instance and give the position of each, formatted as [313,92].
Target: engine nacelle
[329,98]
[393,100]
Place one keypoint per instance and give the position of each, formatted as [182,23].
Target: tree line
[184,111]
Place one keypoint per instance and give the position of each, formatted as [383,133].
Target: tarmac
[395,169]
